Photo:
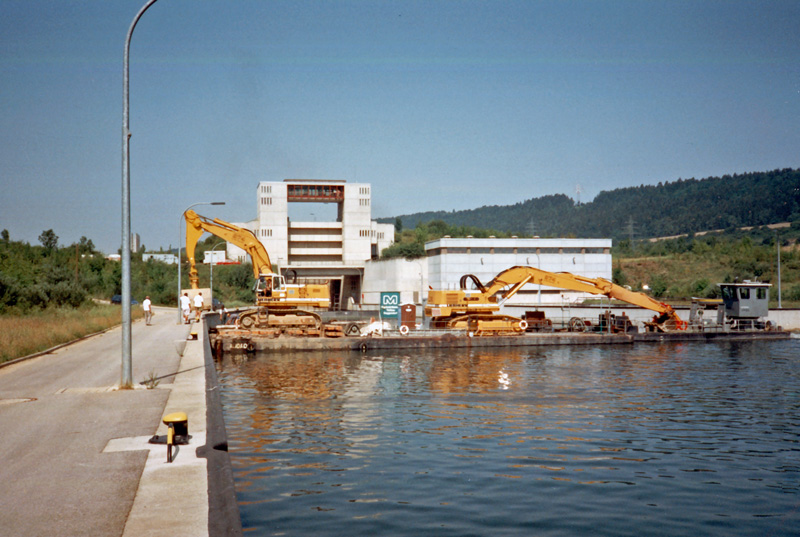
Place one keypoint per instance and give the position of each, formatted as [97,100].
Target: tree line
[48,275]
[666,209]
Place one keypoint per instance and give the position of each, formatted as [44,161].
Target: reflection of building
[334,251]
[450,259]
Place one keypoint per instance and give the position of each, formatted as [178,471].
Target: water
[668,439]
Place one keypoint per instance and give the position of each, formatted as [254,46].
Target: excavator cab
[268,283]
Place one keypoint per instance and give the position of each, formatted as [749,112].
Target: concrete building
[449,259]
[409,277]
[318,252]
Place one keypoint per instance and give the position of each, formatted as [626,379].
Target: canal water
[646,439]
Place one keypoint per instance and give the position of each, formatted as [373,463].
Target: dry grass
[35,332]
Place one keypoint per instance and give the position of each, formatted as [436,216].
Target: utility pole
[629,229]
[778,242]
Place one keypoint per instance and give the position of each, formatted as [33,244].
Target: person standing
[185,307]
[198,306]
[148,310]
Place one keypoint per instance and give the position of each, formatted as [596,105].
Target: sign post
[390,305]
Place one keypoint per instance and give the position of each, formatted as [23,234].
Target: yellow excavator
[475,309]
[278,305]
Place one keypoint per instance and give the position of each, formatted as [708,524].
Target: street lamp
[211,270]
[180,239]
[126,380]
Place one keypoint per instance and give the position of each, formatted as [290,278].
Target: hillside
[683,206]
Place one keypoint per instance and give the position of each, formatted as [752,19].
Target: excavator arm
[516,277]
[245,239]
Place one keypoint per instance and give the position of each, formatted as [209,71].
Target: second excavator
[279,305]
[475,309]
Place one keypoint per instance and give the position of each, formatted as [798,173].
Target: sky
[440,105]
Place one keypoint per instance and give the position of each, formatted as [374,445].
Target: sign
[390,305]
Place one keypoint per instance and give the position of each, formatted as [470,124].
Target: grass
[39,331]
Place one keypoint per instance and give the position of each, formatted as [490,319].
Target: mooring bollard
[177,431]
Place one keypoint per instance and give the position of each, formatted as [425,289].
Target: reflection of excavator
[474,309]
[277,302]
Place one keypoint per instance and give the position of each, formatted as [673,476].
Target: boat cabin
[747,300]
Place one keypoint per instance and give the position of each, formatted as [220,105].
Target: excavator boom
[277,303]
[449,304]
[197,225]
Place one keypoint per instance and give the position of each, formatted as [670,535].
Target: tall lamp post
[180,239]
[126,380]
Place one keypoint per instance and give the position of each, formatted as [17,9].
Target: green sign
[390,305]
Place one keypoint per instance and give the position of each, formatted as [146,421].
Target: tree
[398,225]
[49,240]
[5,235]
[86,245]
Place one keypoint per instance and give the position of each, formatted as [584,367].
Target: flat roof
[311,181]
[511,242]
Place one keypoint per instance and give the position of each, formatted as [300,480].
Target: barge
[240,341]
[737,316]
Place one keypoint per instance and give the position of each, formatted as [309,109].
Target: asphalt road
[58,413]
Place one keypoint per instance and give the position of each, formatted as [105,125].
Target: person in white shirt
[185,307]
[148,312]
[198,306]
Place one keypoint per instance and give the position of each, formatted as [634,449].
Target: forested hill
[683,206]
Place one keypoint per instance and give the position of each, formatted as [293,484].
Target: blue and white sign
[390,305]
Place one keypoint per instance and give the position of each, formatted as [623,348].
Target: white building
[334,251]
[409,277]
[450,259]
[170,259]
[213,256]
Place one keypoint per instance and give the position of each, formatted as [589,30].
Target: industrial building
[319,251]
[448,259]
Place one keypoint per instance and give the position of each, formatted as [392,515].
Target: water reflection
[696,438]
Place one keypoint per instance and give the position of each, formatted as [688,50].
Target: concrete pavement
[76,457]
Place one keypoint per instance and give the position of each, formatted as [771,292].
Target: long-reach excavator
[474,309]
[278,304]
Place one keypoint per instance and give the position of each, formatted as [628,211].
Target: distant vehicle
[117,299]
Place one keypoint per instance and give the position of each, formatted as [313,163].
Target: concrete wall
[408,277]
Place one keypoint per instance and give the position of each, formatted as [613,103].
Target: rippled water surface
[672,439]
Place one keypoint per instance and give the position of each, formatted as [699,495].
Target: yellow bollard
[177,425]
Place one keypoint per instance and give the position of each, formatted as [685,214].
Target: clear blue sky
[441,105]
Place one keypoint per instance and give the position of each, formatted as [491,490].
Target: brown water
[672,439]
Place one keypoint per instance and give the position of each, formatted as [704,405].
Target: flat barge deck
[226,340]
